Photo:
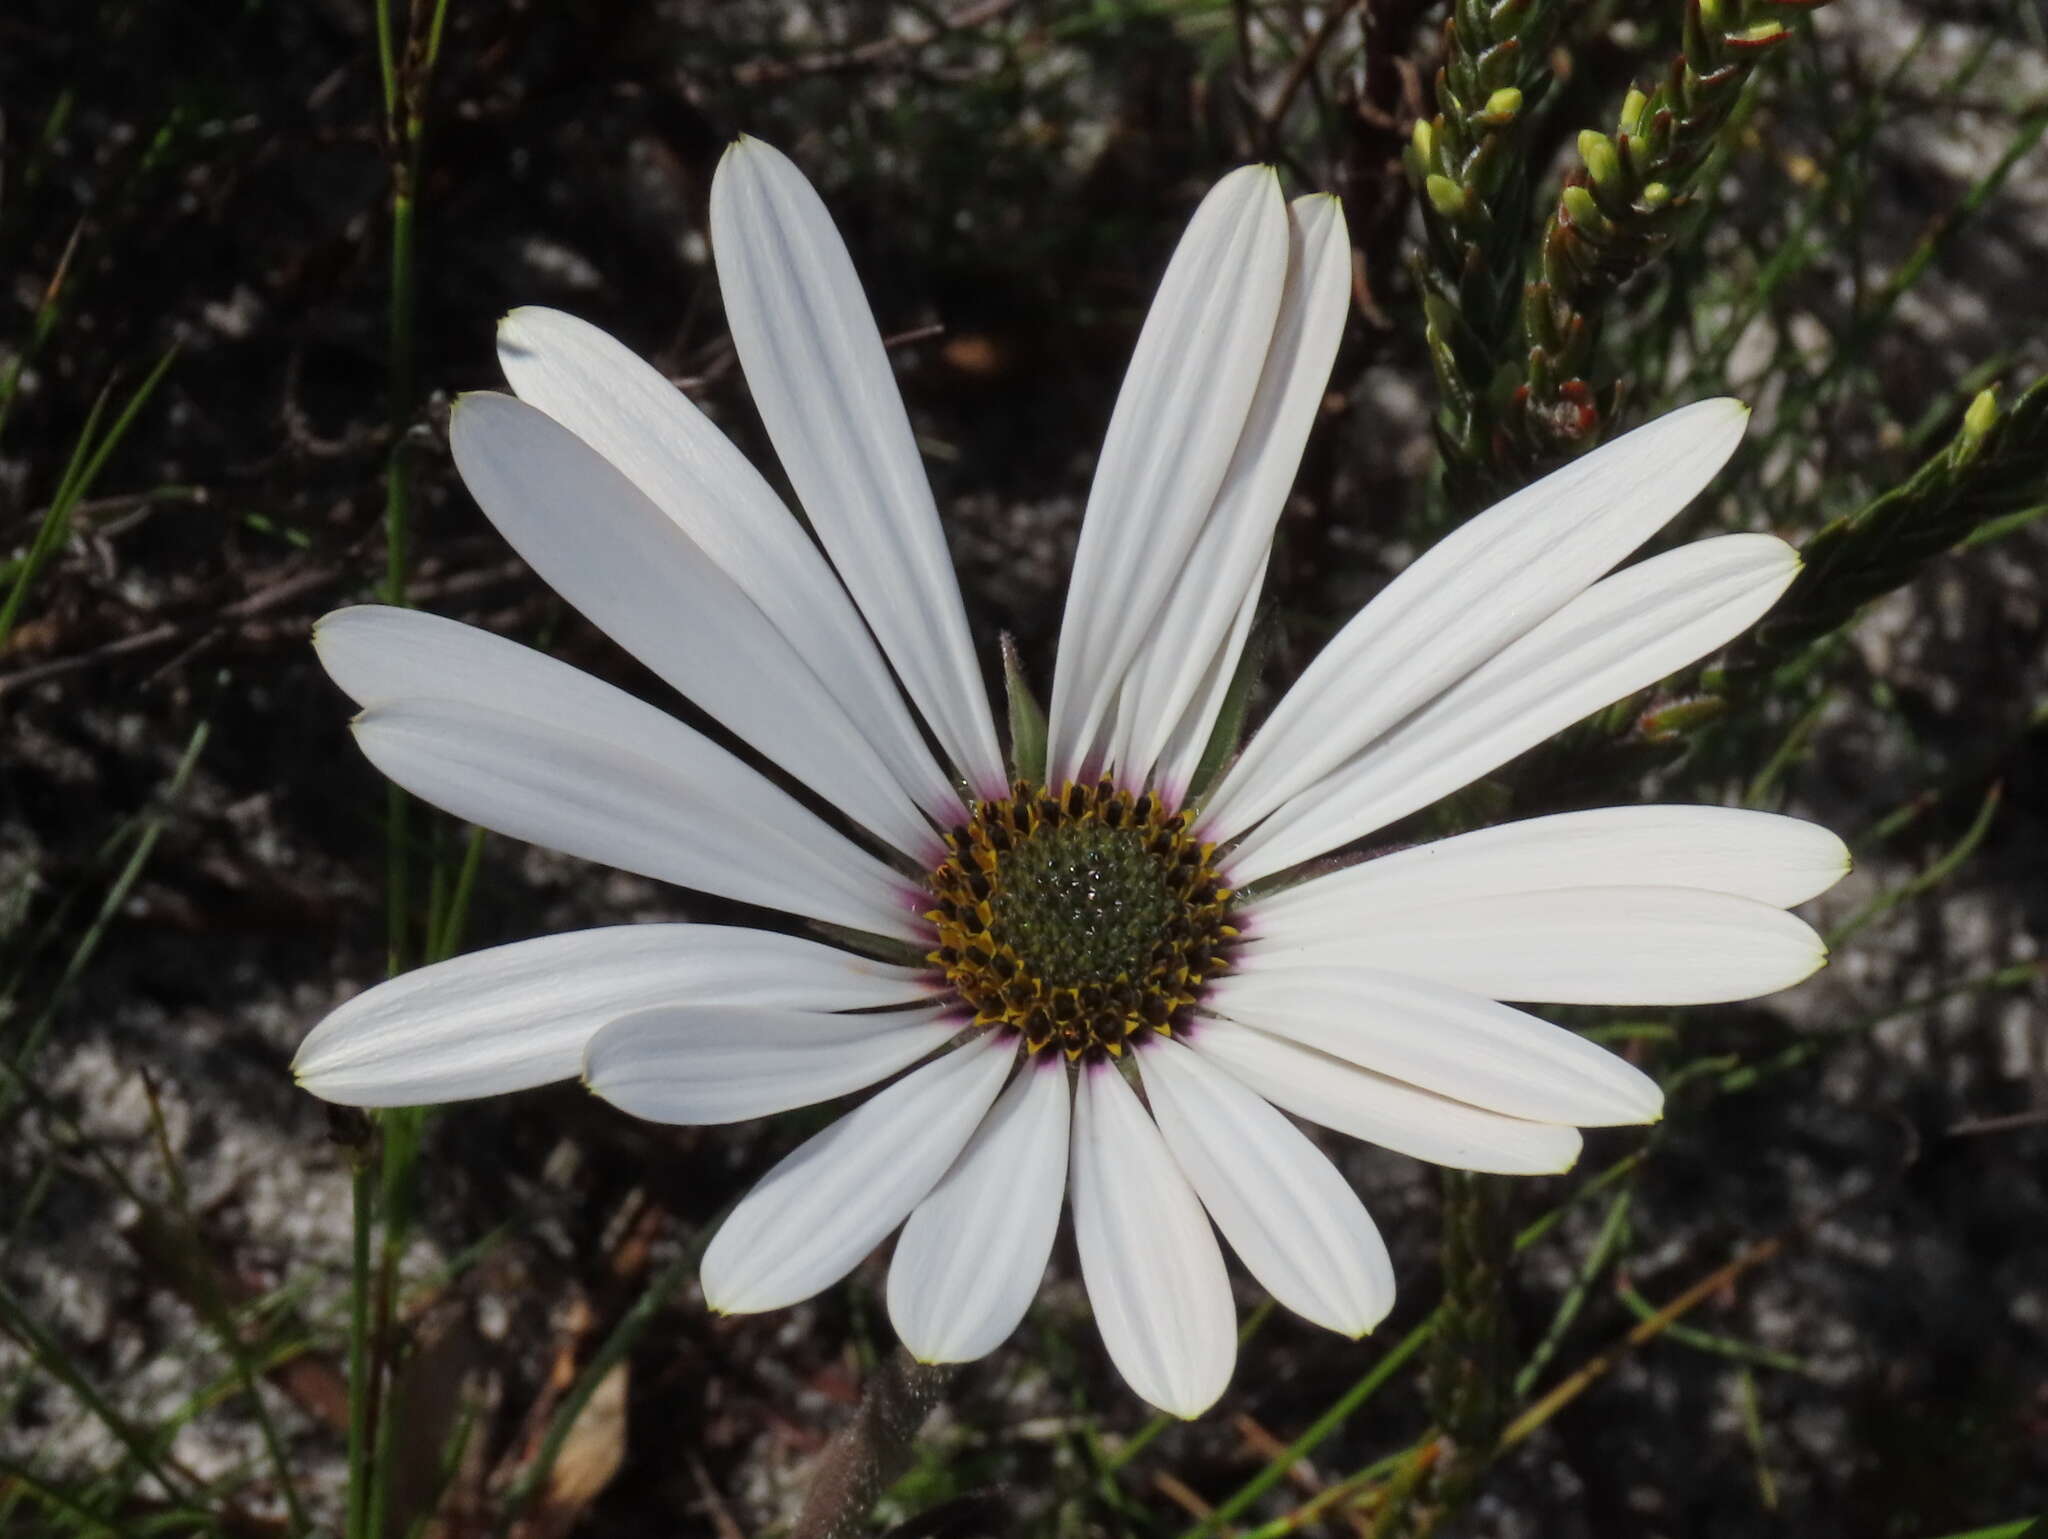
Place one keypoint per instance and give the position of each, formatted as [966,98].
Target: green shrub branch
[1513,335]
[1996,465]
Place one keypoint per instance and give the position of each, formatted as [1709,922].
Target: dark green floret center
[1078,917]
[1082,904]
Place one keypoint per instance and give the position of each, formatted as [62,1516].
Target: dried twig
[881,50]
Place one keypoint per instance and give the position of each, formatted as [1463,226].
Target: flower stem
[1468,1376]
[384,1177]
[365,1194]
[870,1451]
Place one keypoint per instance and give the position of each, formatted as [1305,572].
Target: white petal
[1567,946]
[1171,439]
[391,658]
[649,430]
[1442,1039]
[822,382]
[968,1263]
[381,656]
[1155,1276]
[825,1206]
[597,540]
[1196,634]
[1481,586]
[1293,1220]
[1383,1111]
[705,1063]
[1174,775]
[1761,855]
[674,807]
[519,1015]
[1622,634]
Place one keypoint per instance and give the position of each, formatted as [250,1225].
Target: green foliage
[1995,467]
[1514,331]
[1027,718]
[1622,206]
[88,458]
[1228,734]
[1471,1361]
[1471,162]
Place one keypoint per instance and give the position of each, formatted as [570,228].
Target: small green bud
[1982,415]
[1713,15]
[1632,106]
[1656,195]
[1502,106]
[1448,197]
[1673,719]
[1584,212]
[1597,151]
[1424,140]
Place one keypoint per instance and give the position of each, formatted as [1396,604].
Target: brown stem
[871,1450]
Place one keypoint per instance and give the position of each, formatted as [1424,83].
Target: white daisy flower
[1075,985]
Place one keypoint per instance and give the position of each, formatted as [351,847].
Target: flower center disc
[1078,919]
